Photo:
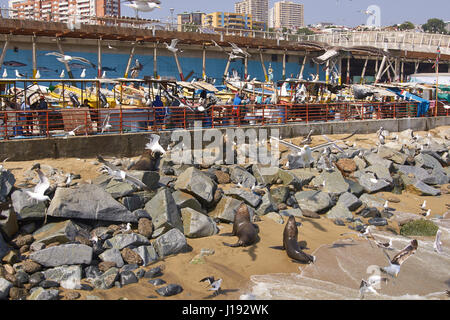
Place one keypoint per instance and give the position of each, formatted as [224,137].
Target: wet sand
[236,265]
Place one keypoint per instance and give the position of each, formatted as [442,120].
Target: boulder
[88,201]
[4,249]
[172,242]
[185,200]
[279,194]
[107,279]
[291,212]
[418,187]
[354,187]
[427,162]
[65,275]
[26,207]
[304,175]
[339,211]
[245,195]
[145,227]
[65,254]
[197,225]
[290,179]
[415,172]
[8,223]
[43,294]
[242,176]
[380,172]
[275,217]
[334,182]
[267,205]
[118,189]
[226,209]
[370,183]
[372,201]
[265,175]
[316,201]
[391,154]
[198,184]
[374,159]
[147,253]
[131,257]
[5,286]
[379,222]
[149,178]
[350,201]
[124,240]
[112,255]
[346,166]
[7,181]
[128,277]
[137,200]
[164,211]
[61,232]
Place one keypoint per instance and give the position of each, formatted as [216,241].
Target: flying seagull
[214,284]
[237,51]
[172,46]
[72,133]
[233,56]
[41,187]
[154,145]
[367,286]
[437,245]
[121,175]
[394,265]
[67,58]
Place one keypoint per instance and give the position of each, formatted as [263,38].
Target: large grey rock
[8,223]
[43,294]
[226,209]
[65,274]
[65,254]
[315,201]
[198,184]
[374,159]
[418,187]
[354,187]
[5,286]
[291,212]
[279,194]
[172,242]
[7,181]
[418,173]
[61,232]
[164,211]
[296,162]
[88,201]
[339,211]
[267,205]
[427,162]
[26,207]
[4,249]
[124,240]
[372,201]
[304,175]
[440,177]
[380,172]
[404,217]
[137,200]
[197,225]
[334,182]
[392,154]
[242,176]
[107,279]
[149,178]
[185,200]
[350,201]
[265,175]
[288,178]
[112,255]
[370,183]
[245,195]
[118,189]
[148,254]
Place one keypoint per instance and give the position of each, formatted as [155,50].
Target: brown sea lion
[290,244]
[243,228]
[148,161]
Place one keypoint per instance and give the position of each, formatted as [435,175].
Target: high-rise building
[63,10]
[288,14]
[257,8]
[232,20]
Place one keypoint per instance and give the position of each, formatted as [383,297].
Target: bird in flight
[154,145]
[72,133]
[41,187]
[66,58]
[237,51]
[172,46]
[394,264]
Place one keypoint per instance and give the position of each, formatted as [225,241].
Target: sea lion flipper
[238,244]
[277,248]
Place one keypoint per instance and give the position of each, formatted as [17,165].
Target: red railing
[59,122]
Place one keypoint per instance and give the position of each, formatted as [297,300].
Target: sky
[342,12]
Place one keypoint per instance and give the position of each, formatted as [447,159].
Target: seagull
[426,214]
[236,50]
[366,286]
[18,74]
[437,245]
[94,239]
[154,145]
[172,46]
[214,284]
[72,133]
[41,187]
[83,74]
[127,228]
[424,205]
[232,56]
[121,175]
[66,58]
[215,44]
[386,245]
[5,74]
[144,6]
[38,75]
[62,74]
[394,265]
[104,74]
[111,47]
[69,179]
[106,125]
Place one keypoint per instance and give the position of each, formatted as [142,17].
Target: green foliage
[434,26]
[407,25]
[305,31]
[420,227]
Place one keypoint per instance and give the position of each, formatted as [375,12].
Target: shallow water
[340,267]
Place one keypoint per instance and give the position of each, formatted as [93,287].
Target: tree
[434,25]
[305,31]
[407,25]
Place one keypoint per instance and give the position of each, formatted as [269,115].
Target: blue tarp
[422,107]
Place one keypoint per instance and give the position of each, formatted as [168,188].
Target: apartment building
[258,9]
[287,14]
[232,20]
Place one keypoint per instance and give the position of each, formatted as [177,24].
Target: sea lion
[243,228]
[290,244]
[149,161]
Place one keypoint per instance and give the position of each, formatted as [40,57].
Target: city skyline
[340,12]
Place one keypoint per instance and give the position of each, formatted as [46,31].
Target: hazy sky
[336,11]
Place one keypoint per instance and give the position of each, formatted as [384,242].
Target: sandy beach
[236,265]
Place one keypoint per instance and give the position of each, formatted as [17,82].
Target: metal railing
[59,122]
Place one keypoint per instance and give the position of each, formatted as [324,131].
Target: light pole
[171,18]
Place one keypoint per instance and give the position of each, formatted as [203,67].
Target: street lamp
[171,19]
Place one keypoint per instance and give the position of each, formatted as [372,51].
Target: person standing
[25,117]
[42,115]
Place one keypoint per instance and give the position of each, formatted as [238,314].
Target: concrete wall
[128,145]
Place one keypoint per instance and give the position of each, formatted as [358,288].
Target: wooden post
[33,42]
[364,70]
[348,70]
[180,71]
[99,58]
[263,66]
[204,63]
[300,76]
[380,70]
[327,72]
[225,73]
[402,71]
[129,60]
[155,61]
[69,72]
[5,47]
[246,67]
